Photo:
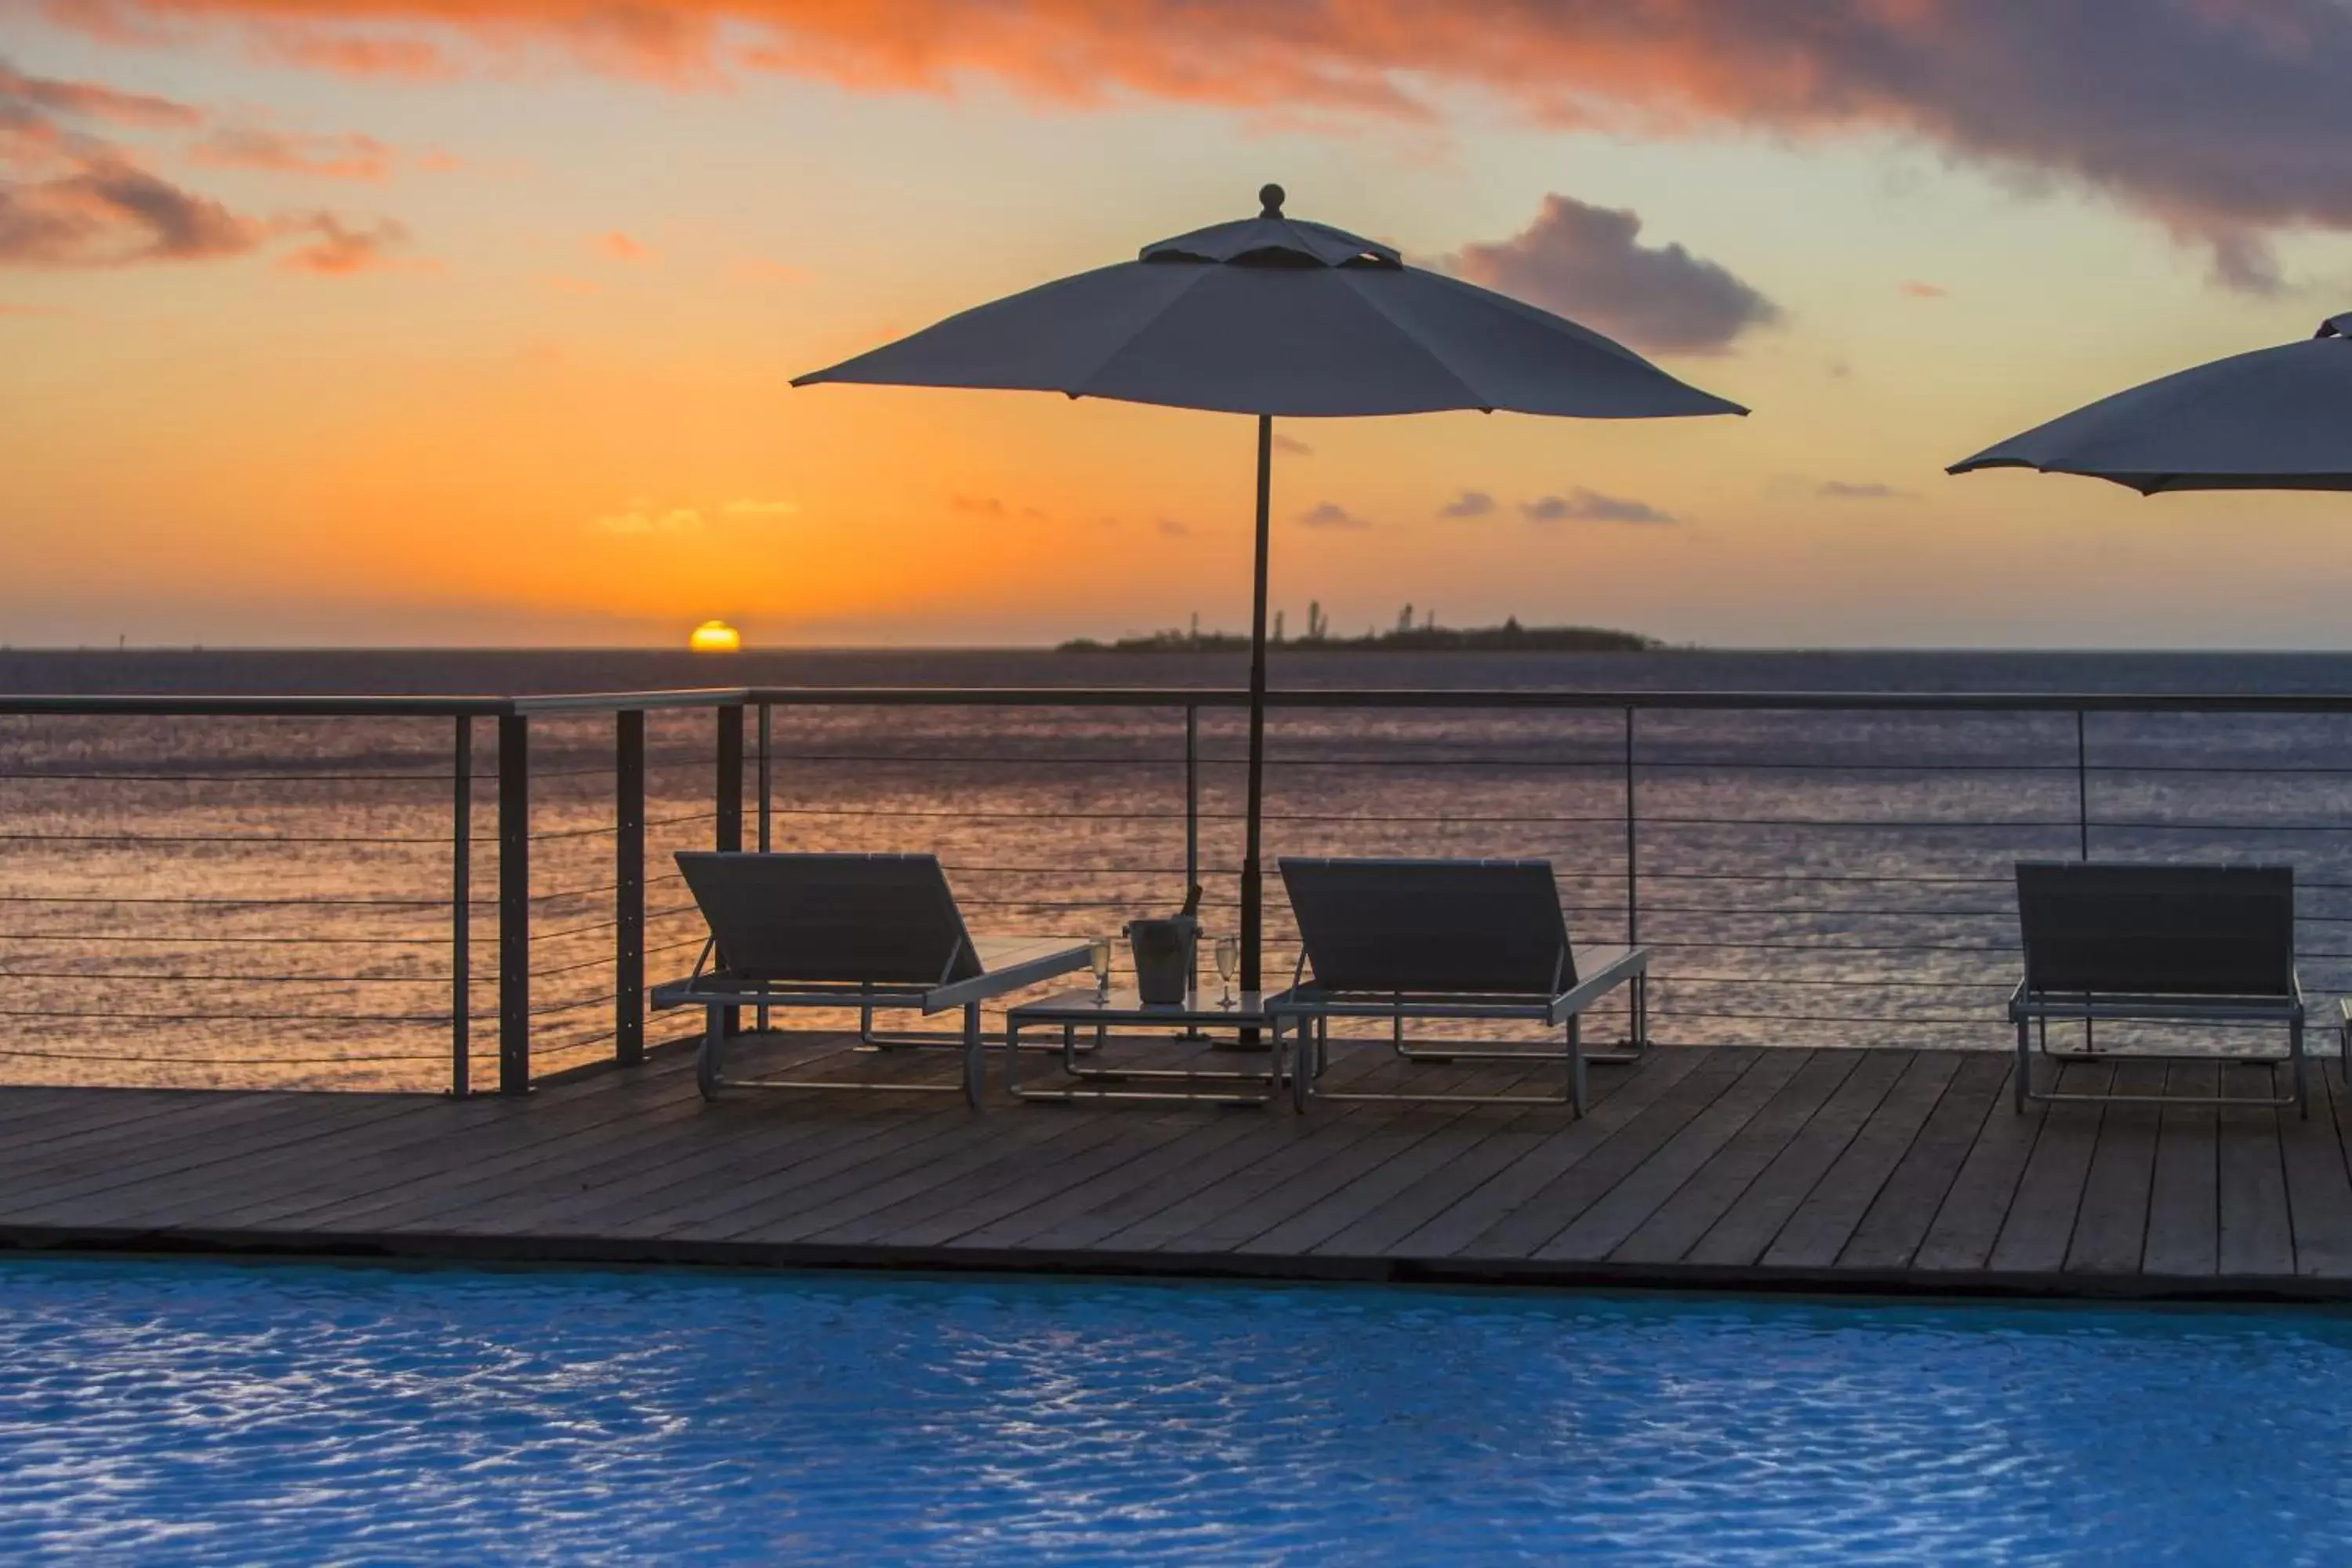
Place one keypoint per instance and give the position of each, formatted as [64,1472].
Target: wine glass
[1229,956]
[1098,953]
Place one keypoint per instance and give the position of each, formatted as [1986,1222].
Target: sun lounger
[1455,940]
[845,931]
[2171,944]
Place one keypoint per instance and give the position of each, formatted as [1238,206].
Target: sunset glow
[472,321]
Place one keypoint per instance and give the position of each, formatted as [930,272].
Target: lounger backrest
[2158,931]
[883,920]
[1430,926]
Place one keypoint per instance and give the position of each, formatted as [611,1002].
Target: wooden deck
[1863,1171]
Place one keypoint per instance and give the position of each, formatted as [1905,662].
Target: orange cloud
[346,157]
[73,197]
[2222,122]
[338,251]
[621,247]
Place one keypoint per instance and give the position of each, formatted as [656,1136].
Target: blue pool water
[199,1412]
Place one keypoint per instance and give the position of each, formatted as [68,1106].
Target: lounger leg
[2024,1064]
[975,1069]
[2295,1050]
[707,1060]
[1012,1058]
[1576,1063]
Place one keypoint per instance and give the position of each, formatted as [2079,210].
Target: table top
[1124,1007]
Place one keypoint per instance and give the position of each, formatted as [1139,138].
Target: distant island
[1406,636]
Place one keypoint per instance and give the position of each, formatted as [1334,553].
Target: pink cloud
[2221,122]
[71,196]
[1918,290]
[344,157]
[336,249]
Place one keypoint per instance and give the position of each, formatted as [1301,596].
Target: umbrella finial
[1271,196]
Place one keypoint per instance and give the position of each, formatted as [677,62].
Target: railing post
[1632,846]
[461,913]
[1192,822]
[766,811]
[514,904]
[728,794]
[766,711]
[2082,785]
[629,887]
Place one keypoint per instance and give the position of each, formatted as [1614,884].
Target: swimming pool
[213,1412]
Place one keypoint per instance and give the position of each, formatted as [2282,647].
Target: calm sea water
[197,1413]
[268,900]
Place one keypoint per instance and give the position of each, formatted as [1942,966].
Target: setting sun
[715,637]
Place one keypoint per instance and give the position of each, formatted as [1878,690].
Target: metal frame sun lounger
[1455,940]
[860,932]
[2162,945]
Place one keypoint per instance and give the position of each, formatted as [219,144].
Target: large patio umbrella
[2275,419]
[1277,317]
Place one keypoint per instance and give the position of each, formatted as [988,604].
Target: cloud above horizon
[1588,263]
[73,197]
[2224,124]
[1331,514]
[1581,505]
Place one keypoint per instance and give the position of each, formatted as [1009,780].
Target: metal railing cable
[1816,867]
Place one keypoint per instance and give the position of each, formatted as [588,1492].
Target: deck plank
[1557,1205]
[1231,1213]
[1671,1232]
[1536,1159]
[1825,1221]
[1749,1225]
[1969,1221]
[2257,1237]
[2040,1223]
[2319,1196]
[1439,1137]
[1199,1146]
[1603,1227]
[2111,1227]
[2040,1226]
[2184,1224]
[1898,1218]
[1884,1166]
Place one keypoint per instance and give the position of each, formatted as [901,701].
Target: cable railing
[474,894]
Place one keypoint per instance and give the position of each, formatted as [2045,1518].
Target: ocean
[265,901]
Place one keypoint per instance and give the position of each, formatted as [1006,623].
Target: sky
[471,322]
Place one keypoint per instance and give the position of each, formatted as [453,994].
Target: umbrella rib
[1079,385]
[1477,398]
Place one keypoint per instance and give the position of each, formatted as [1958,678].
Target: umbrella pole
[1253,872]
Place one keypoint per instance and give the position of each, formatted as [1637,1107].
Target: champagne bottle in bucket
[1163,953]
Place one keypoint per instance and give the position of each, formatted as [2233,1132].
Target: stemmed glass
[1229,956]
[1098,953]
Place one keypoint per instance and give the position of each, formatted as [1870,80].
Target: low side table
[1092,1014]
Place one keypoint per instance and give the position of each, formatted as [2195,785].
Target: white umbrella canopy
[1277,317]
[2275,419]
[1274,316]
